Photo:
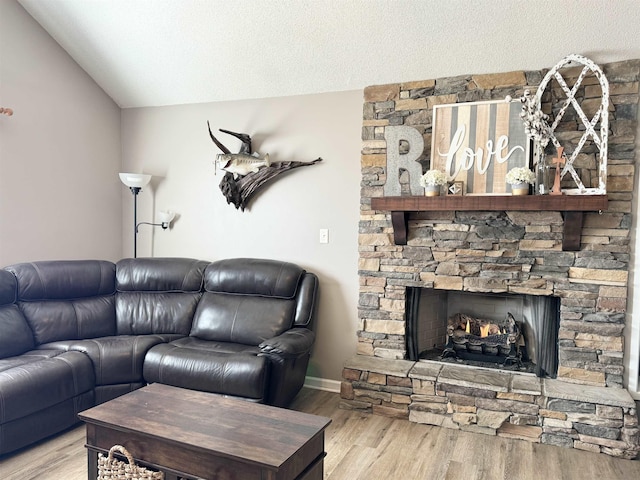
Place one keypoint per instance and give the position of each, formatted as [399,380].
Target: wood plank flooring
[362,446]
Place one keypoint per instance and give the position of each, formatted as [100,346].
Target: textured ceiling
[166,52]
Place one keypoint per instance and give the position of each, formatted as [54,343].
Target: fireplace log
[482,337]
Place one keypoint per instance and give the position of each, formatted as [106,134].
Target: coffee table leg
[92,464]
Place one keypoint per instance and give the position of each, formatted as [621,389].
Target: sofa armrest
[291,343]
[288,356]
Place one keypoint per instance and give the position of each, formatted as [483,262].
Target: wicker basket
[110,468]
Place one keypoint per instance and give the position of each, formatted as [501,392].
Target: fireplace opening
[506,331]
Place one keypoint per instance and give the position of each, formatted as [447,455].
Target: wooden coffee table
[193,435]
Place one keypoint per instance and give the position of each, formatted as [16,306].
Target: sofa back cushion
[67,299]
[157,295]
[15,335]
[247,300]
[242,319]
[253,276]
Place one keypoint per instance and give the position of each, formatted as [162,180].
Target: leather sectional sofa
[74,334]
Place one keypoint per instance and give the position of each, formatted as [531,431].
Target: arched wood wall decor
[598,136]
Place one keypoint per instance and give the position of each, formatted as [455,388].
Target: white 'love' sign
[478,143]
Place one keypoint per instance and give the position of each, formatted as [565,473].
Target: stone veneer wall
[517,252]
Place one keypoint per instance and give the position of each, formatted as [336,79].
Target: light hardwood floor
[362,446]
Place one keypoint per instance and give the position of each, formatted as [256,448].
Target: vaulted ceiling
[165,52]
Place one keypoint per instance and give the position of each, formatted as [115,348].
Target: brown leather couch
[74,334]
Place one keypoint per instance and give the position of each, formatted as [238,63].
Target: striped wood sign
[478,143]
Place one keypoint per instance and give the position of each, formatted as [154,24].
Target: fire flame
[485,329]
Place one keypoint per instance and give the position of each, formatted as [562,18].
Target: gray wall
[59,153]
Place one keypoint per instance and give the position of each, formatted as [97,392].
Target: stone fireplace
[582,403]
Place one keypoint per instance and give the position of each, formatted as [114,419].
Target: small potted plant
[432,181]
[519,178]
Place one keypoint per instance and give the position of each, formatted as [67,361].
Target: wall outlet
[324,235]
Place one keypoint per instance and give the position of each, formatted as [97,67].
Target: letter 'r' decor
[477,143]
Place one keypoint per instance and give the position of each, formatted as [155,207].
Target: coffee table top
[233,428]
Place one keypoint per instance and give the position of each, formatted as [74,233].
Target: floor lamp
[135,182]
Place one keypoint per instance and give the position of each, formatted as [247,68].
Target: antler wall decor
[246,172]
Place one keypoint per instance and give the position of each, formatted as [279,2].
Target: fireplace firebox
[516,332]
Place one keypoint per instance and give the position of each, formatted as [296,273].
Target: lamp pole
[135,191]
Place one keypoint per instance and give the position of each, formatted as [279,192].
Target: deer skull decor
[246,171]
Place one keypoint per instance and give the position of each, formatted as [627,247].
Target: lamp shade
[135,180]
[166,216]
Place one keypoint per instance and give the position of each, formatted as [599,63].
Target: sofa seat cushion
[105,393]
[208,370]
[221,347]
[28,357]
[40,381]
[115,359]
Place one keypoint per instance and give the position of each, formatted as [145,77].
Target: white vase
[432,190]
[520,188]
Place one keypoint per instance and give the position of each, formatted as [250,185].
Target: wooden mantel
[571,206]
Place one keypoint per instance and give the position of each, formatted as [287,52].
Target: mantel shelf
[571,206]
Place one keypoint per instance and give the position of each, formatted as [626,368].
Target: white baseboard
[322,384]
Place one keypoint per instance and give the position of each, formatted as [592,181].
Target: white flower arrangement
[520,175]
[535,121]
[433,178]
